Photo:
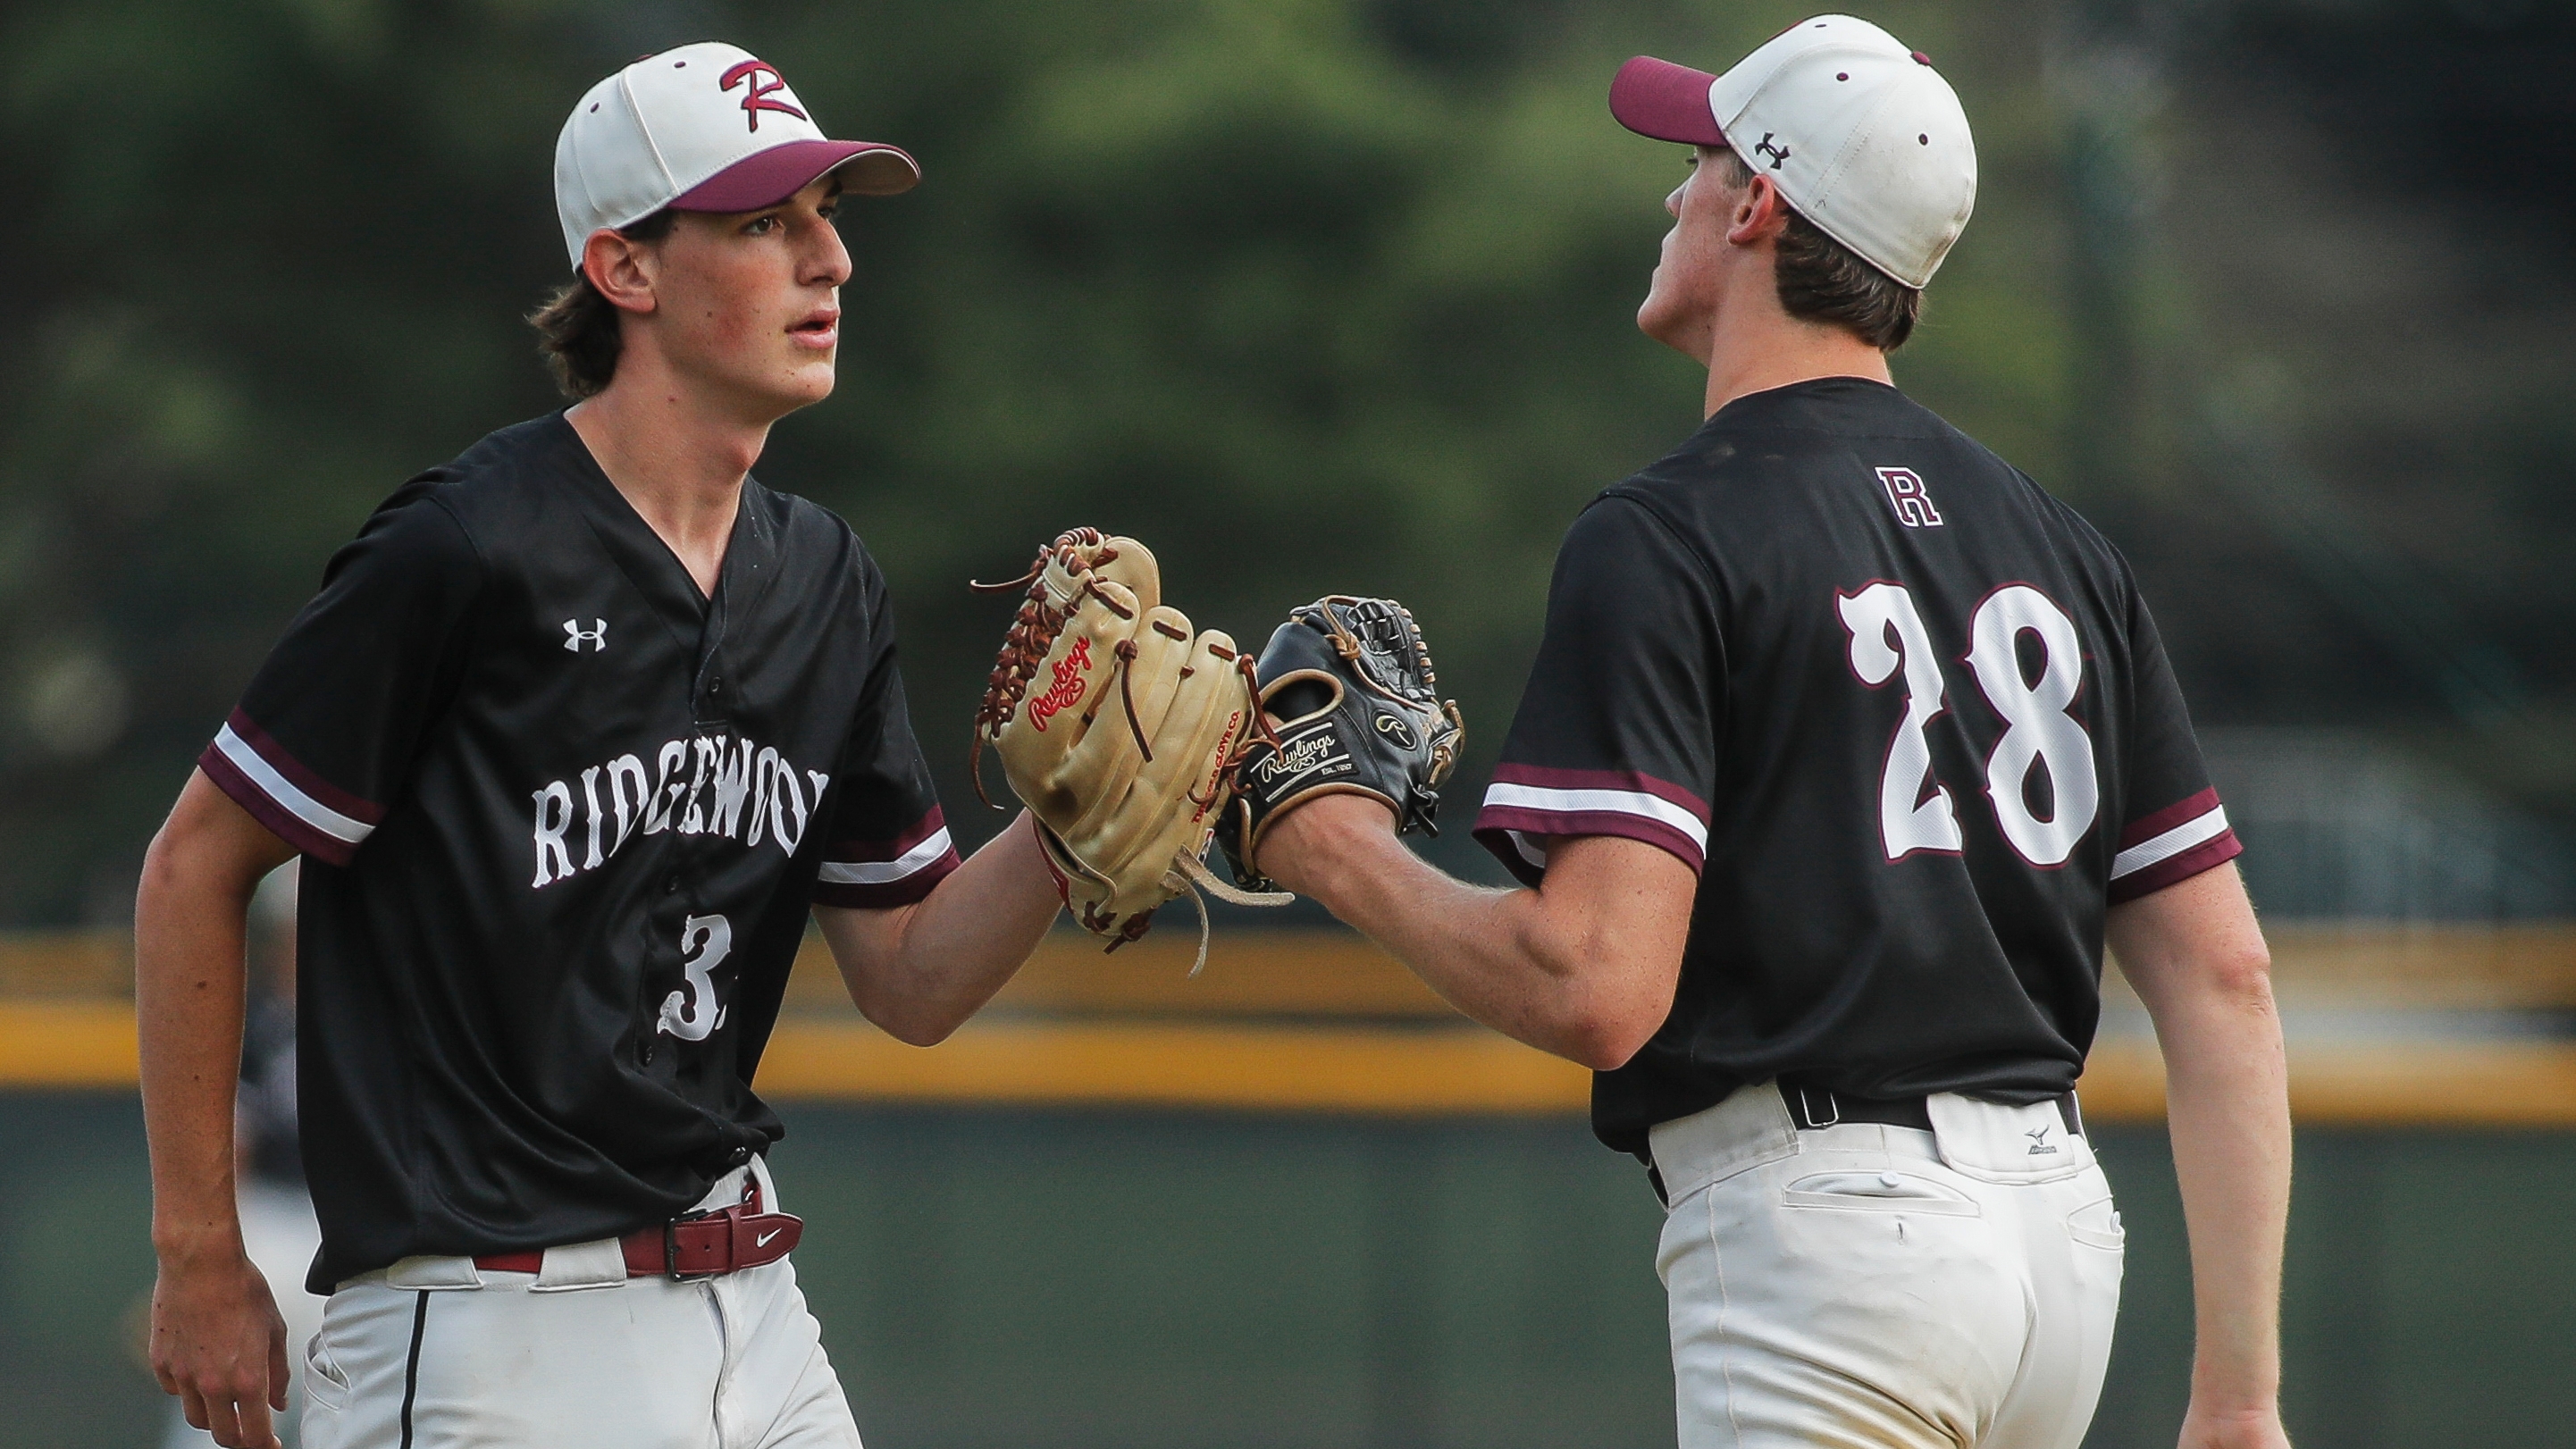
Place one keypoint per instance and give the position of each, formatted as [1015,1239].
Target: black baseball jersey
[1904,713]
[563,816]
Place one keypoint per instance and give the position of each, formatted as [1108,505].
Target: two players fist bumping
[1134,741]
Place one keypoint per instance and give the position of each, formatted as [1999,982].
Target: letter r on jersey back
[1906,495]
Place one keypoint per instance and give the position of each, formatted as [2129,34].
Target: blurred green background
[1325,295]
[1328,295]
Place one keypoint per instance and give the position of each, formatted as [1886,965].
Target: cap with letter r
[1860,134]
[706,127]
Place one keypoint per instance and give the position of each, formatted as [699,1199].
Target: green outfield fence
[994,1278]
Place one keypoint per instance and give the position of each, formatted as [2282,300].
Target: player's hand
[219,1344]
[2259,1428]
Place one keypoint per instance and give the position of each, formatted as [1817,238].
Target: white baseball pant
[434,1353]
[1870,1287]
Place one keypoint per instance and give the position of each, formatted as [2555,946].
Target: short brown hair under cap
[1821,280]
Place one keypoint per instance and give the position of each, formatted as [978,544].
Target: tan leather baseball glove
[1120,729]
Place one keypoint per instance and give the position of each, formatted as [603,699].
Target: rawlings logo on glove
[1124,805]
[1068,688]
[1310,753]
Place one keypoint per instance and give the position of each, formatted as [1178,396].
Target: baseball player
[1845,748]
[577,733]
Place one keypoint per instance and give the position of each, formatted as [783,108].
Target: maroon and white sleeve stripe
[2173,844]
[874,874]
[303,809]
[1527,801]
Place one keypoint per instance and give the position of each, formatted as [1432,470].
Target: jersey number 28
[1914,810]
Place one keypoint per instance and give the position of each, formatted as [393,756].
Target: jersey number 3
[1915,810]
[691,1013]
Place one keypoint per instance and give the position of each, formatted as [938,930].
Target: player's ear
[1760,213]
[621,268]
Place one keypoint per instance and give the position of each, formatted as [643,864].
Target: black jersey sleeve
[888,843]
[324,738]
[1617,730]
[2176,828]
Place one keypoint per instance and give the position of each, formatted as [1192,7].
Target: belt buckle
[671,1248]
[1807,1109]
[733,1253]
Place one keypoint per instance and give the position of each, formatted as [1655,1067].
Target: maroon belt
[701,1245]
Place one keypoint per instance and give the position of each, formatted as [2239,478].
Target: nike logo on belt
[763,1240]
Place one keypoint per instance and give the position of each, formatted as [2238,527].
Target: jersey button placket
[665,917]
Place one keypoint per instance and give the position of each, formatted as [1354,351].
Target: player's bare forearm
[920,970]
[1583,968]
[2197,959]
[189,975]
[217,1341]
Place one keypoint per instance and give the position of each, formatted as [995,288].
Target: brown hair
[1821,280]
[577,328]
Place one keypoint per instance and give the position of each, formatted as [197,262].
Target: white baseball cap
[1861,135]
[706,127]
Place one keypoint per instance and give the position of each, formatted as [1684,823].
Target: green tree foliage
[1311,294]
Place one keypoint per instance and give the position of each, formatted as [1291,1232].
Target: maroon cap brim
[766,178]
[1666,101]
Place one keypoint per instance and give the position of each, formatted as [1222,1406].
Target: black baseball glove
[1359,712]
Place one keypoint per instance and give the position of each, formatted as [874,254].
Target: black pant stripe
[411,1368]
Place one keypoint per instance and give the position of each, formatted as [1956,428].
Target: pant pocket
[1885,1192]
[2097,1225]
[326,1384]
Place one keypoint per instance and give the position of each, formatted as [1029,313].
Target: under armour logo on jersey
[755,95]
[596,636]
[2040,1146]
[1905,493]
[1778,154]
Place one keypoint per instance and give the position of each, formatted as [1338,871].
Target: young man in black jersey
[1845,748]
[577,734]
